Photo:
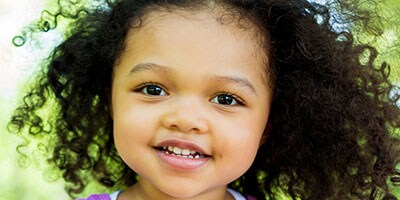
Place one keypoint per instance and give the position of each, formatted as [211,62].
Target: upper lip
[183,144]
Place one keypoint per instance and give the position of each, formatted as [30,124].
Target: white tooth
[177,150]
[197,156]
[184,156]
[164,148]
[192,152]
[170,148]
[190,156]
[185,152]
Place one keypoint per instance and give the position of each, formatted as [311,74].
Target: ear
[265,135]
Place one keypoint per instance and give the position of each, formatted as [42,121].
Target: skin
[191,60]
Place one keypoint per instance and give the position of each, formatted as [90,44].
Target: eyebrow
[142,67]
[237,80]
[148,67]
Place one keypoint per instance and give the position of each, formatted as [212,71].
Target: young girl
[216,99]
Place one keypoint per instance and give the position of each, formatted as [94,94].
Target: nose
[186,115]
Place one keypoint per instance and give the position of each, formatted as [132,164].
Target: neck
[143,191]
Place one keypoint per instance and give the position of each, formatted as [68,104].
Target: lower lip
[180,163]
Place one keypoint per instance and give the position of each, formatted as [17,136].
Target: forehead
[236,37]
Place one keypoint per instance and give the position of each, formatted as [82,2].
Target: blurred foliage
[388,41]
[16,65]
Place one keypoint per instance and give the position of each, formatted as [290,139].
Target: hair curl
[333,118]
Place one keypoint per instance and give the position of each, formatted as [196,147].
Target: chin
[181,191]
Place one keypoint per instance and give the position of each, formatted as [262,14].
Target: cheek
[238,147]
[134,120]
[245,143]
[125,124]
[132,132]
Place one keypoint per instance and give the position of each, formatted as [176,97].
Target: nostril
[183,117]
[185,125]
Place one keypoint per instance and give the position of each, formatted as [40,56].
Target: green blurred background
[18,64]
[16,67]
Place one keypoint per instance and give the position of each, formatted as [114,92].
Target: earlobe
[266,133]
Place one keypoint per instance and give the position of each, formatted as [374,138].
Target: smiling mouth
[181,152]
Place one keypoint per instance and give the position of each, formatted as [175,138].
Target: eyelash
[235,97]
[239,100]
[142,86]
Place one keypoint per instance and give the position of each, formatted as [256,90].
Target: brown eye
[152,90]
[226,99]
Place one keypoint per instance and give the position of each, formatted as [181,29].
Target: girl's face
[189,103]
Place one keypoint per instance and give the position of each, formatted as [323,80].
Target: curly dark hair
[334,117]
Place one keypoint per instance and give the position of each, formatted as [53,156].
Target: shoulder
[97,197]
[237,196]
[112,196]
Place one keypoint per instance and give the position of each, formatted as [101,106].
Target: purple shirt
[235,194]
